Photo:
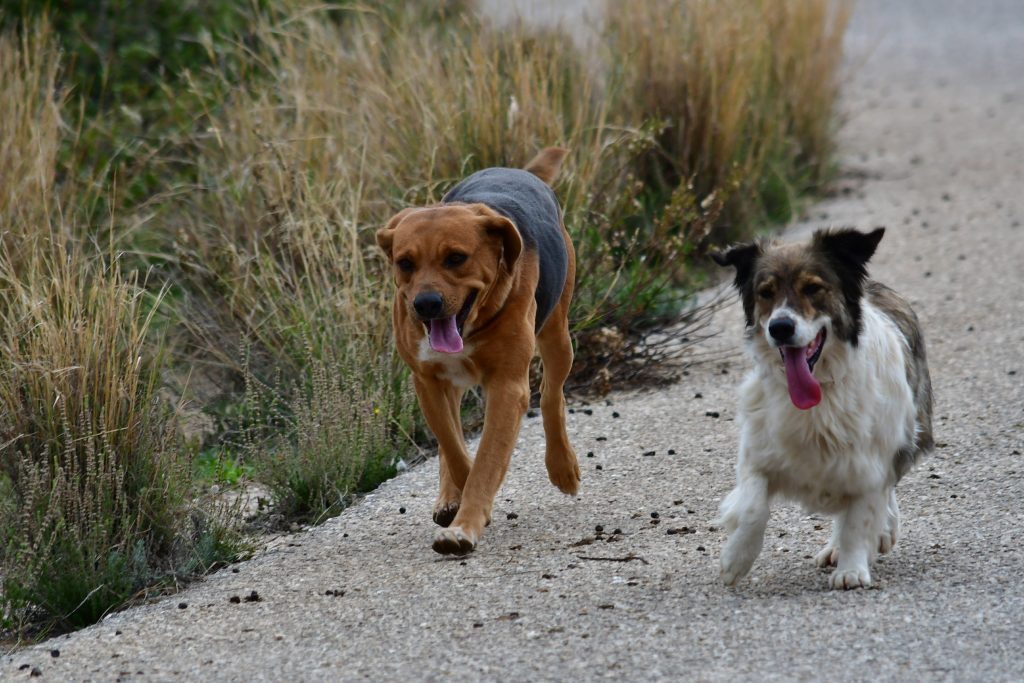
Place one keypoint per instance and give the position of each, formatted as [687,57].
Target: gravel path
[933,149]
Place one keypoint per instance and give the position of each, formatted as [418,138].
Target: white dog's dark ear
[849,248]
[386,235]
[742,257]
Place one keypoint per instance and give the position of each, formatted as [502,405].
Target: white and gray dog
[838,406]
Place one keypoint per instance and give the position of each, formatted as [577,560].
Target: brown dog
[483,278]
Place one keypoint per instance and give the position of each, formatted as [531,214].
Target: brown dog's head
[448,260]
[795,296]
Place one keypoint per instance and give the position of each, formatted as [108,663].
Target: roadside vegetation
[190,298]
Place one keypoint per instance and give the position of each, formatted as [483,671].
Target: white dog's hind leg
[744,514]
[859,530]
[891,531]
[829,555]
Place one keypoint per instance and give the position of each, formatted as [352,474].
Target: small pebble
[614,414]
[599,528]
[598,467]
[55,653]
[617,532]
[655,515]
[531,413]
[588,411]
[234,599]
[182,605]
[700,548]
[511,515]
[698,395]
[234,570]
[712,413]
[590,454]
[649,453]
[401,511]
[601,438]
[253,597]
[671,451]
[572,411]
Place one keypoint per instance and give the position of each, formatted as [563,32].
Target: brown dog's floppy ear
[386,235]
[502,228]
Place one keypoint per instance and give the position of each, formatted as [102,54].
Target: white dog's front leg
[857,541]
[744,514]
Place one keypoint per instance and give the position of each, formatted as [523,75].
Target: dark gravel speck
[511,515]
[253,596]
[712,413]
[598,467]
[614,414]
[55,653]
[182,605]
[655,515]
[671,451]
[590,454]
[234,599]
[601,438]
[401,511]
[649,453]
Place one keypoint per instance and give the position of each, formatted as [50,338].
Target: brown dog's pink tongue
[804,390]
[444,335]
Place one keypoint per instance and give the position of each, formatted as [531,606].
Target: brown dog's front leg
[507,401]
[439,401]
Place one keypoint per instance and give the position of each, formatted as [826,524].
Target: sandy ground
[933,149]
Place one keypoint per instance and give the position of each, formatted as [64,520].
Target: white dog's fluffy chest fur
[844,446]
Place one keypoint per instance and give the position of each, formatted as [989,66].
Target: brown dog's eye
[812,288]
[765,293]
[405,265]
[455,259]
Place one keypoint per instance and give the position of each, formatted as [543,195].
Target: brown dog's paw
[444,513]
[565,475]
[453,541]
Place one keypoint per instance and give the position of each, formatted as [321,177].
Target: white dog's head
[798,296]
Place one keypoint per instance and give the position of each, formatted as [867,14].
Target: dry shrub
[93,485]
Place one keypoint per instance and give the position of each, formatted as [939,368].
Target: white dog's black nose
[428,305]
[782,329]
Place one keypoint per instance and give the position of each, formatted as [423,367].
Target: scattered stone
[531,413]
[606,607]
[182,605]
[700,549]
[599,529]
[234,570]
[671,451]
[617,532]
[601,438]
[614,414]
[698,395]
[478,624]
[334,593]
[647,454]
[511,515]
[547,576]
[35,673]
[598,467]
[234,599]
[55,653]
[588,411]
[655,515]
[590,454]
[253,596]
[712,413]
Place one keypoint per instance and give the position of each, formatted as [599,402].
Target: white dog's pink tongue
[444,335]
[804,390]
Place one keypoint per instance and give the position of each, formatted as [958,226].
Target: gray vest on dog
[528,202]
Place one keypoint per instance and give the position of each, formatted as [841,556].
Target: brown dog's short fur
[477,261]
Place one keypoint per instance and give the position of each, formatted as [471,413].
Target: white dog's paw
[827,556]
[855,577]
[737,559]
[886,540]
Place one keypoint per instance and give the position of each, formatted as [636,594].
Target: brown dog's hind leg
[556,354]
[450,494]
[440,402]
[507,400]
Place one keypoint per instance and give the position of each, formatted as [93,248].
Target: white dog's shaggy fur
[844,455]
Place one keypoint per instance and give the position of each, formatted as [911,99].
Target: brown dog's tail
[545,165]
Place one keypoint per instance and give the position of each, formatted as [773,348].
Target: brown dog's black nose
[781,329]
[428,305]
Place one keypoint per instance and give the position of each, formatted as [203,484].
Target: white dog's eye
[812,288]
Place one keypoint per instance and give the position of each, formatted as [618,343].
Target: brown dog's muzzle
[444,331]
